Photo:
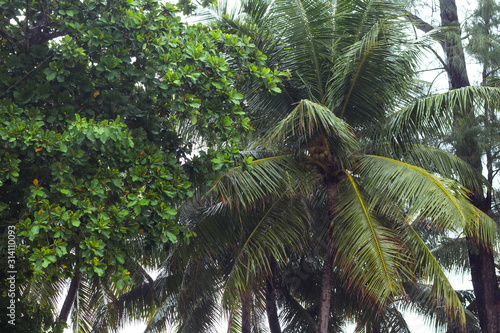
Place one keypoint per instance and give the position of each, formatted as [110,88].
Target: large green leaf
[419,193]
[440,113]
[366,249]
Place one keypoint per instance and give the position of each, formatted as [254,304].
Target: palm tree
[333,132]
[349,70]
[197,275]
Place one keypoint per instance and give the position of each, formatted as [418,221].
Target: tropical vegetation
[101,104]
[276,164]
[351,95]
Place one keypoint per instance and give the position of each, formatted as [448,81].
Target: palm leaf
[279,228]
[307,122]
[438,113]
[370,252]
[268,176]
[436,313]
[418,192]
[307,25]
[371,73]
[295,317]
[438,161]
[431,271]
[484,230]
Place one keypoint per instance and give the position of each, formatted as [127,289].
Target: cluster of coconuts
[320,153]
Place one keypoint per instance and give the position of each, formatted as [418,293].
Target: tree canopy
[102,104]
[342,146]
[116,118]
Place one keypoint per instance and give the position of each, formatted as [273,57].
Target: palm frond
[439,113]
[423,195]
[435,312]
[483,230]
[45,292]
[452,254]
[140,301]
[419,193]
[279,228]
[371,73]
[370,252]
[396,321]
[84,312]
[439,161]
[296,318]
[306,27]
[308,121]
[269,176]
[164,314]
[430,271]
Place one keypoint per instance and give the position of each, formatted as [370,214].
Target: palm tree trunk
[70,298]
[452,46]
[326,278]
[326,290]
[485,285]
[271,308]
[245,313]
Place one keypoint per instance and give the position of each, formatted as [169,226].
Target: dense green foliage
[116,118]
[98,128]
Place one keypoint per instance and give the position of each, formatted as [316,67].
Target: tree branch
[441,60]
[14,44]
[419,23]
[6,35]
[426,27]
[26,19]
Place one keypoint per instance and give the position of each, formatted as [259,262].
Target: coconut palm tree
[344,126]
[349,71]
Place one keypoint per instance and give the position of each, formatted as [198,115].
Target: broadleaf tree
[102,104]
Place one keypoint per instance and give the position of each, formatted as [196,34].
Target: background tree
[97,129]
[467,147]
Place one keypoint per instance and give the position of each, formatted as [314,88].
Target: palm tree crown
[326,136]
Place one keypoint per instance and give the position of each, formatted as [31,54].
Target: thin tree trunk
[326,291]
[245,313]
[271,307]
[485,287]
[70,298]
[455,58]
[326,278]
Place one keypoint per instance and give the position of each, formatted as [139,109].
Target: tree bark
[452,46]
[70,298]
[271,308]
[246,326]
[485,285]
[326,278]
[326,291]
